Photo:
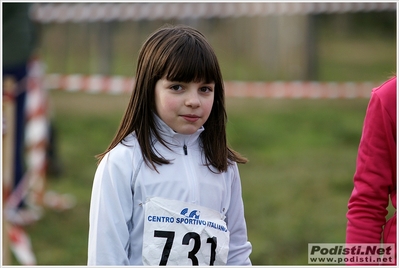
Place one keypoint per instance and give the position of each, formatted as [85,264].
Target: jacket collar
[173,138]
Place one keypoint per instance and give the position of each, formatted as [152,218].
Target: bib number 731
[170,236]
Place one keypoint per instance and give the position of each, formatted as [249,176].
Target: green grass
[295,187]
[297,183]
[368,58]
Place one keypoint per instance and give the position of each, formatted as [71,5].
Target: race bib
[178,233]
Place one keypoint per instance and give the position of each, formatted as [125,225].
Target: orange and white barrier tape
[279,89]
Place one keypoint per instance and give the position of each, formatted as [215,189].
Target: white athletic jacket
[123,183]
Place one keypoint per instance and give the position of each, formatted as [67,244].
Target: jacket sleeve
[374,175]
[240,247]
[110,211]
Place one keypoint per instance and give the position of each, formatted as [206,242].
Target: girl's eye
[176,87]
[206,89]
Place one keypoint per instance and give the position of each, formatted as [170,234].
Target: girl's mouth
[190,117]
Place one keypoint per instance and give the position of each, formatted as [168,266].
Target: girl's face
[184,107]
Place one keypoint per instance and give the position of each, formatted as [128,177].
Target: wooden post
[311,48]
[105,47]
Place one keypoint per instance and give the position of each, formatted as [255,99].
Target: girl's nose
[193,100]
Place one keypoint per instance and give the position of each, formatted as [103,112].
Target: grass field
[295,187]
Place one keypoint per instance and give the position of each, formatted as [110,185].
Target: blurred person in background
[375,175]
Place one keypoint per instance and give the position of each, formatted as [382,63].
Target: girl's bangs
[192,62]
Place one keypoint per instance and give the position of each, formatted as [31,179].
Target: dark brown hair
[180,53]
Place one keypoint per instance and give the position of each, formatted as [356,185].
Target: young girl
[167,190]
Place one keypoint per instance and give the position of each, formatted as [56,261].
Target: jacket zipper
[192,182]
[185,149]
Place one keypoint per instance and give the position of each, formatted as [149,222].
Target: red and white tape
[32,185]
[300,90]
[90,84]
[36,137]
[278,89]
[21,245]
